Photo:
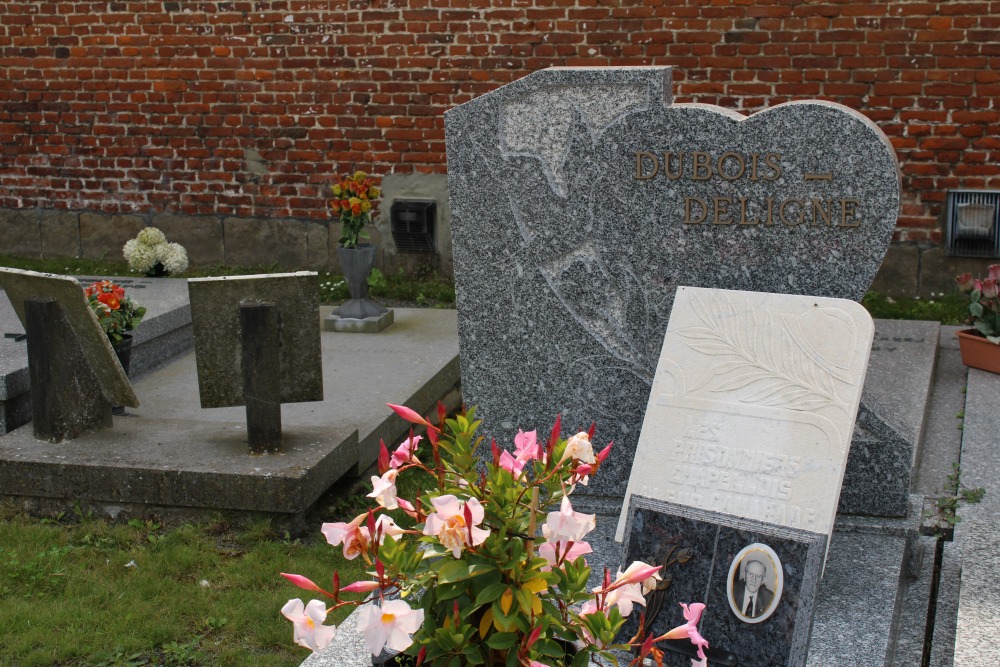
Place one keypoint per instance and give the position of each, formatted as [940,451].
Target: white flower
[579,448]
[173,257]
[390,626]
[128,249]
[151,236]
[307,622]
[384,491]
[143,258]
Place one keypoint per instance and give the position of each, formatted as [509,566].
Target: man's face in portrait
[754,576]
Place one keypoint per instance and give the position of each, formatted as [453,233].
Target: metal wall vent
[972,223]
[413,225]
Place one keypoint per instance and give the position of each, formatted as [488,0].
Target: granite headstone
[215,317]
[583,197]
[753,406]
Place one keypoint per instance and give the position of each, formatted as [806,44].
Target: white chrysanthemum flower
[143,258]
[173,257]
[129,248]
[151,236]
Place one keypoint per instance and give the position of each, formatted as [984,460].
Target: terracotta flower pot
[977,352]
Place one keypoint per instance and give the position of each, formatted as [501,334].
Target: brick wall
[246,108]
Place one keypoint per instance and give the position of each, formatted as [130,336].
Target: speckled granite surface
[568,250]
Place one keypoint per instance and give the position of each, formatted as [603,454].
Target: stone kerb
[582,198]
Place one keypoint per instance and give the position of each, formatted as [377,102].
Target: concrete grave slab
[753,406]
[170,452]
[581,198]
[890,423]
[215,305]
[20,285]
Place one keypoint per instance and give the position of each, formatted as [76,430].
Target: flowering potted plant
[149,253]
[465,578]
[980,345]
[352,204]
[117,313]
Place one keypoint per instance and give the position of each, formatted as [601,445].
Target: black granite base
[658,531]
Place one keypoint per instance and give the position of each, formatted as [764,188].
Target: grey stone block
[897,276]
[942,441]
[201,236]
[254,241]
[916,600]
[103,236]
[20,232]
[857,606]
[215,316]
[60,232]
[977,537]
[942,650]
[317,245]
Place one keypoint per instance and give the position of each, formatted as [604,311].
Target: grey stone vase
[356,264]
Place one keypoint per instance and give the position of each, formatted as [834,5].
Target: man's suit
[764,597]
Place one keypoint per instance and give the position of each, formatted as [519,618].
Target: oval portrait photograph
[755,583]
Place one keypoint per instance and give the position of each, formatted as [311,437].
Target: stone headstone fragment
[85,365]
[758,581]
[753,406]
[66,398]
[582,198]
[215,317]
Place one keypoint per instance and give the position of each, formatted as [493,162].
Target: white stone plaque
[753,406]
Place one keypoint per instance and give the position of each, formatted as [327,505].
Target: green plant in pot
[980,345]
[117,315]
[466,577]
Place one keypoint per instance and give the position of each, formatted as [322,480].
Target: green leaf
[490,593]
[976,309]
[459,570]
[501,640]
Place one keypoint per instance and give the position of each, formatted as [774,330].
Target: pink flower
[994,271]
[579,448]
[455,523]
[624,597]
[384,491]
[360,587]
[965,282]
[566,525]
[990,288]
[527,446]
[406,452]
[547,550]
[307,622]
[640,573]
[353,535]
[692,614]
[390,626]
[409,415]
[511,464]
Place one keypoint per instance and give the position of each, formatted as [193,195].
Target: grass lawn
[81,591]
